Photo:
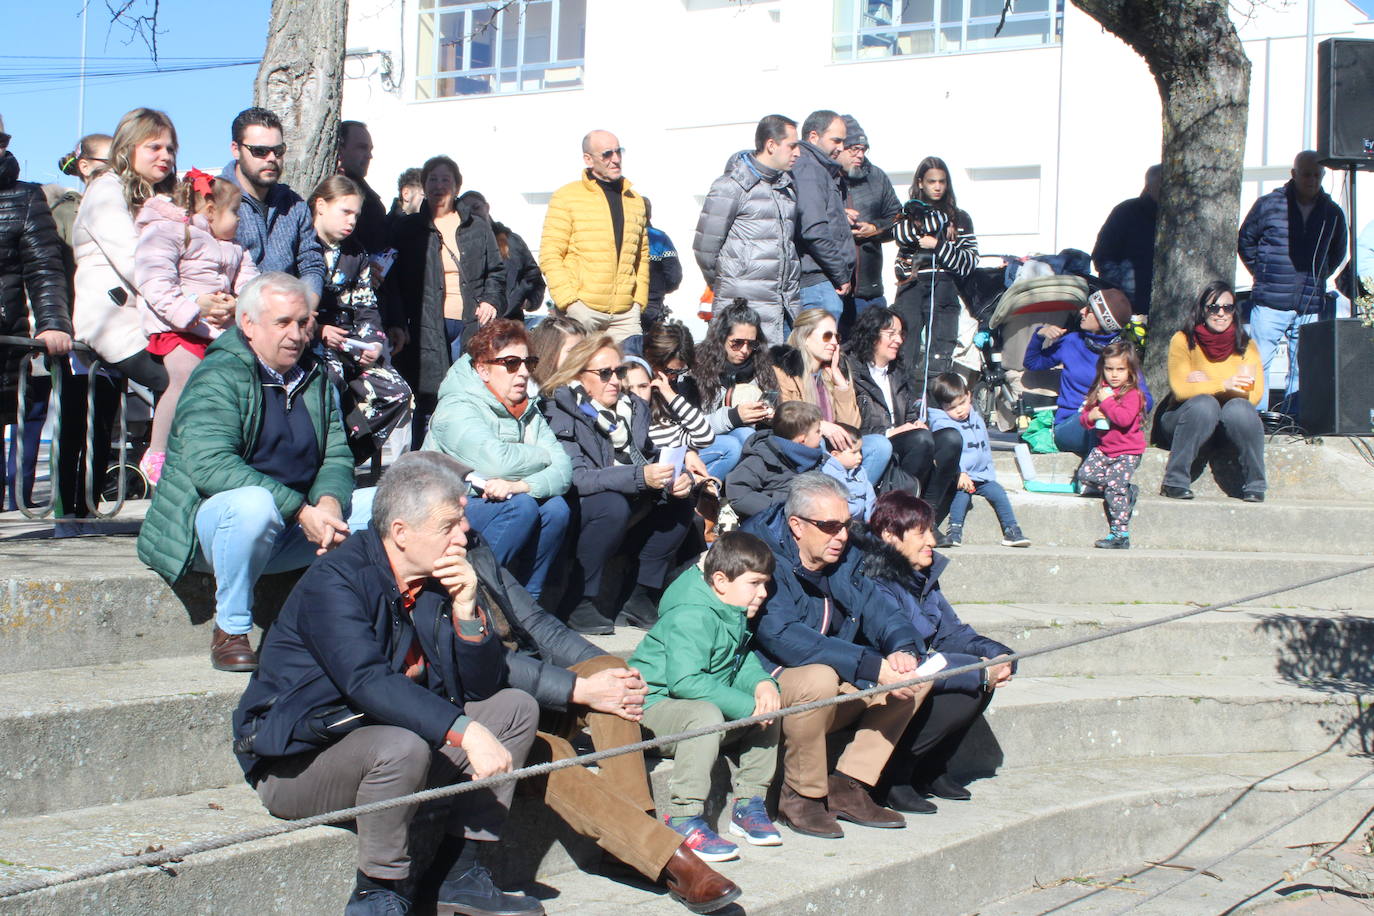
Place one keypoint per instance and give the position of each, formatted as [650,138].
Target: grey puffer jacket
[746,237]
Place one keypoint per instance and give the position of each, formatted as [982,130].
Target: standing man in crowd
[355,155]
[1292,240]
[873,206]
[595,250]
[746,236]
[259,472]
[825,234]
[410,193]
[1125,251]
[275,225]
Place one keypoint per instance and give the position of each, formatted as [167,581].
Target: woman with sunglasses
[733,370]
[889,407]
[486,419]
[675,404]
[812,369]
[627,500]
[1217,380]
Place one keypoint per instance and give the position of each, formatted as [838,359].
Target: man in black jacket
[384,675]
[354,157]
[873,206]
[824,236]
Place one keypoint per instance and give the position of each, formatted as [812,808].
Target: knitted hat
[853,134]
[1111,308]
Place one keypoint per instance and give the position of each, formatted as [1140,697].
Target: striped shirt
[681,424]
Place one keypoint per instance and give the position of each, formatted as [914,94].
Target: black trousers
[639,526]
[914,303]
[933,735]
[932,458]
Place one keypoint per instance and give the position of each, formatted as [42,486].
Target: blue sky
[42,114]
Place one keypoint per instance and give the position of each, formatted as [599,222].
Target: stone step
[1024,825]
[1203,524]
[1334,470]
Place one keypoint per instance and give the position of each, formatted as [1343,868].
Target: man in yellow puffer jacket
[595,252]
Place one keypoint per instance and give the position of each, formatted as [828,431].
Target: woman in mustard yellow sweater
[1217,379]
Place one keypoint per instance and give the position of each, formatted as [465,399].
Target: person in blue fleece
[1101,321]
[846,466]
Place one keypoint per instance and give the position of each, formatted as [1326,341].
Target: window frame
[431,73]
[852,38]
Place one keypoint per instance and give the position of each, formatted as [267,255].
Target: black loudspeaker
[1336,372]
[1345,102]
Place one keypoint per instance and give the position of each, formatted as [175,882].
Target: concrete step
[1022,826]
[1332,470]
[1203,524]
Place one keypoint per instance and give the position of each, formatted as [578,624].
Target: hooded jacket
[279,233]
[765,469]
[916,594]
[745,241]
[824,238]
[1291,259]
[178,259]
[852,630]
[871,193]
[471,425]
[1077,352]
[103,241]
[577,251]
[699,650]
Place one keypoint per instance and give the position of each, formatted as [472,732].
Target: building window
[875,29]
[486,48]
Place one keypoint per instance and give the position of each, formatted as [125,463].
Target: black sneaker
[641,610]
[376,902]
[1253,497]
[1012,537]
[475,894]
[588,620]
[908,800]
[1175,492]
[954,537]
[942,540]
[1115,542]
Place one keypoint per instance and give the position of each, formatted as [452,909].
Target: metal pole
[81,92]
[1308,71]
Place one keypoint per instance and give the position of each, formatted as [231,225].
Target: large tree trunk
[1192,48]
[301,79]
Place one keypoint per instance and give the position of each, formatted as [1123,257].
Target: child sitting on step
[701,670]
[1115,408]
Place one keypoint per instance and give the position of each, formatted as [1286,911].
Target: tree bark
[301,80]
[1203,75]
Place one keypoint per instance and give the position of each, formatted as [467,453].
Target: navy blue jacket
[336,657]
[789,630]
[593,457]
[824,239]
[1291,268]
[917,594]
[1128,237]
[1072,351]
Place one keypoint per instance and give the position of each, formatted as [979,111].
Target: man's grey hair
[283,284]
[807,489]
[416,485]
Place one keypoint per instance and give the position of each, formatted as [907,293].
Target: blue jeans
[990,490]
[1070,435]
[524,533]
[1270,328]
[861,304]
[453,333]
[822,295]
[877,453]
[243,537]
[721,456]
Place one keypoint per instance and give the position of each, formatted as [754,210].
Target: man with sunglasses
[275,225]
[827,630]
[594,251]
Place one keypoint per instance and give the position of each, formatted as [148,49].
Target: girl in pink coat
[189,271]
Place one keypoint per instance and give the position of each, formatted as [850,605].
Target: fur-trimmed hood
[883,561]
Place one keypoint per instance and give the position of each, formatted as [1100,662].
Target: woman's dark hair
[863,337]
[435,162]
[897,511]
[711,361]
[736,553]
[1211,293]
[947,203]
[664,342]
[1123,348]
[495,336]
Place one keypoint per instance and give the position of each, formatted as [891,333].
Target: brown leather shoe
[807,816]
[849,800]
[229,652]
[695,885]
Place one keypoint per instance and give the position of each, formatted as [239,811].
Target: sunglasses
[262,152]
[512,363]
[605,374]
[742,343]
[1218,308]
[675,373]
[830,526]
[827,336]
[608,154]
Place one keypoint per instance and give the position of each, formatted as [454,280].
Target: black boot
[641,610]
[588,620]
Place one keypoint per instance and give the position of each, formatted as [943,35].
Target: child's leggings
[179,363]
[1113,477]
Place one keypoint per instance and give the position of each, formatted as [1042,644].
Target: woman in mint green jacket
[486,419]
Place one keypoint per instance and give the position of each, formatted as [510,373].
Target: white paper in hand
[932,665]
[677,457]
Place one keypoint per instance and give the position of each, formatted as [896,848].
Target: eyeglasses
[262,152]
[512,363]
[827,336]
[605,374]
[830,526]
[891,334]
[608,154]
[1221,308]
[742,343]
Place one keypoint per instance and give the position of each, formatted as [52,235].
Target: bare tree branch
[140,18]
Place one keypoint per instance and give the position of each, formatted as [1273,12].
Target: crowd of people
[567,473]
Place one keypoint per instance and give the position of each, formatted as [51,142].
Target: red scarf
[1216,346]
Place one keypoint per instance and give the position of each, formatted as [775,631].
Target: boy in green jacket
[700,671]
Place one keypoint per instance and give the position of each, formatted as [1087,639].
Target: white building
[1045,127]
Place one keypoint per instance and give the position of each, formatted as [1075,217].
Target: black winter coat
[872,195]
[416,290]
[593,457]
[371,229]
[824,239]
[877,419]
[762,475]
[524,282]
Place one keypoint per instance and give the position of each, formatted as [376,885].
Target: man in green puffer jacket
[700,670]
[259,473]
